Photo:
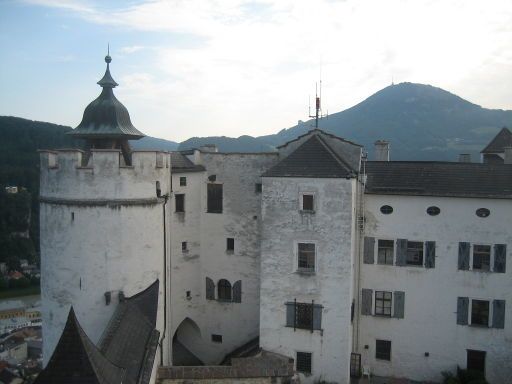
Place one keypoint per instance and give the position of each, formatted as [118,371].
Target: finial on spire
[107,81]
[108,59]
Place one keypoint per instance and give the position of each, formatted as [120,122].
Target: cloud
[259,60]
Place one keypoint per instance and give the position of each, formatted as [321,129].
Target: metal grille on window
[383,349]
[304,362]
[304,315]
[383,303]
[306,257]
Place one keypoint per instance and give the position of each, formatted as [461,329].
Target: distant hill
[154,143]
[422,122]
[229,144]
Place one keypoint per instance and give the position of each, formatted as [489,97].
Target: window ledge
[185,251]
[307,211]
[483,326]
[481,270]
[230,251]
[384,316]
[224,301]
[305,272]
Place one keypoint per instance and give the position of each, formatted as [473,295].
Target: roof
[314,158]
[501,140]
[106,117]
[181,163]
[130,338]
[439,179]
[76,360]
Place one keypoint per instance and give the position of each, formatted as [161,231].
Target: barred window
[306,257]
[303,360]
[383,303]
[304,315]
[383,349]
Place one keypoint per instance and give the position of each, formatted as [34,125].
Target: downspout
[166,197]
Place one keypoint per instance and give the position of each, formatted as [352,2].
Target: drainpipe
[166,197]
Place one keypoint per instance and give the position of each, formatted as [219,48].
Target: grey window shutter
[290,314]
[369,250]
[401,251]
[366,302]
[430,254]
[498,314]
[500,257]
[462,310]
[464,256]
[399,303]
[317,316]
[237,291]
[210,289]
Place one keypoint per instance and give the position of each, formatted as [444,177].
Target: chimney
[382,150]
[508,155]
[465,158]
[208,148]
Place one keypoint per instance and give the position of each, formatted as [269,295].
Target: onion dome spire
[107,81]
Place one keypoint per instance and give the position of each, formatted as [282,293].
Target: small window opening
[433,211]
[383,349]
[217,338]
[158,189]
[184,246]
[258,187]
[482,212]
[303,362]
[189,296]
[230,244]
[386,209]
[183,181]
[72,216]
[308,202]
[180,202]
[476,360]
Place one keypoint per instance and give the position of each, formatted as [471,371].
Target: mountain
[422,122]
[154,143]
[229,144]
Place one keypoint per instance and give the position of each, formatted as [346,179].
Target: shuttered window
[224,290]
[414,253]
[480,312]
[430,254]
[500,258]
[383,303]
[462,310]
[214,198]
[498,314]
[401,252]
[210,289]
[369,250]
[237,291]
[481,257]
[366,301]
[399,304]
[463,261]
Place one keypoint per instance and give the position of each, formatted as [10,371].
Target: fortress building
[310,261]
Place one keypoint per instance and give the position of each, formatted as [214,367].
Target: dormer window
[308,202]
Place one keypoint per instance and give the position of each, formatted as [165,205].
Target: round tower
[102,218]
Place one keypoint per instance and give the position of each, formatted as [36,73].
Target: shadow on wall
[186,339]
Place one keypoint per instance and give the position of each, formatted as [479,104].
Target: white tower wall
[101,231]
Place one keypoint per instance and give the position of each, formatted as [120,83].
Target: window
[386,209]
[385,252]
[183,181]
[383,303]
[214,203]
[414,253]
[258,187]
[480,312]
[481,257]
[304,315]
[476,360]
[303,362]
[180,202]
[224,290]
[306,257]
[308,202]
[230,244]
[217,338]
[383,349]
[482,212]
[184,246]
[433,211]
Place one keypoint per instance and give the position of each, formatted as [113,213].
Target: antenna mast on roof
[318,107]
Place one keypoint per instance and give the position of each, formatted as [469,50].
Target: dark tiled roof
[501,140]
[130,338]
[76,360]
[181,163]
[439,179]
[313,159]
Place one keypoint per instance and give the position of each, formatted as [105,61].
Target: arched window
[224,290]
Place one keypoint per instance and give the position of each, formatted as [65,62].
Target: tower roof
[76,360]
[499,142]
[106,117]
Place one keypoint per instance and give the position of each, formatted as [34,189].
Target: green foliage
[3,284]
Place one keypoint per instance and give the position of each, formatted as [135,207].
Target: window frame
[216,338]
[183,181]
[301,202]
[306,270]
[224,288]
[471,315]
[407,258]
[182,196]
[184,247]
[380,355]
[472,261]
[306,354]
[230,241]
[383,301]
[386,256]
[216,208]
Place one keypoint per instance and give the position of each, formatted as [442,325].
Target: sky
[235,67]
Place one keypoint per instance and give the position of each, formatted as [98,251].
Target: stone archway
[185,341]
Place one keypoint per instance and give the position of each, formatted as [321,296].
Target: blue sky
[234,67]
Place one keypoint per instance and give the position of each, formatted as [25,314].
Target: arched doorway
[185,341]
